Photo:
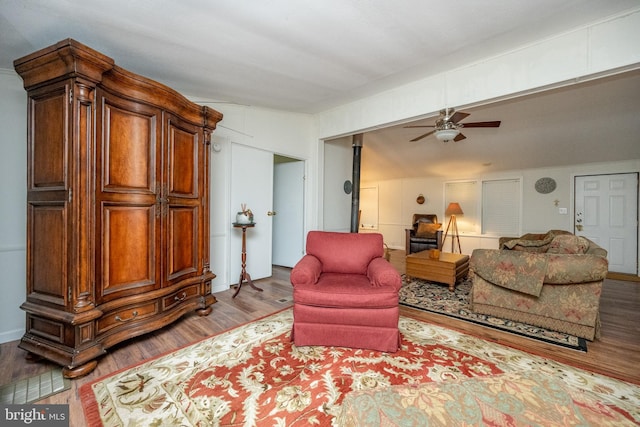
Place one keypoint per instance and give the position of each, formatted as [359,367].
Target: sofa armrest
[306,271]
[381,273]
[575,268]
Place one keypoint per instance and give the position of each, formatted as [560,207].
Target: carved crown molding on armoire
[117,205]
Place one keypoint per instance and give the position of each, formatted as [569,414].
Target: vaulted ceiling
[310,56]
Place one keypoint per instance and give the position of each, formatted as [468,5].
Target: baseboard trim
[8,336]
[623,276]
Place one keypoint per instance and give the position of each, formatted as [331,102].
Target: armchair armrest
[380,272]
[407,240]
[306,271]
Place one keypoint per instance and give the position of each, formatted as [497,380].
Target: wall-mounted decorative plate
[545,185]
[347,187]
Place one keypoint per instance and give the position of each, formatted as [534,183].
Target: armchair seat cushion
[330,291]
[422,240]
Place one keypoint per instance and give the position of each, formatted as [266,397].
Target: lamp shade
[453,209]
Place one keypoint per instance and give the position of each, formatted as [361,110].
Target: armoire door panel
[47,279]
[184,152]
[49,140]
[129,146]
[182,250]
[128,250]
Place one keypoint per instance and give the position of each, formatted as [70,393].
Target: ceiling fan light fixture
[446,135]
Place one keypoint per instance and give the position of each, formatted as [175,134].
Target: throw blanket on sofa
[529,244]
[519,271]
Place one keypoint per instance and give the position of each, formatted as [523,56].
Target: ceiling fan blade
[422,136]
[494,124]
[458,115]
[419,126]
[459,137]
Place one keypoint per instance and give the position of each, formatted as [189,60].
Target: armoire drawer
[176,298]
[126,315]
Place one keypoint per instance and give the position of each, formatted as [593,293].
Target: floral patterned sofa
[553,280]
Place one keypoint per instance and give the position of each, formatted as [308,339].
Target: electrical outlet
[562,211]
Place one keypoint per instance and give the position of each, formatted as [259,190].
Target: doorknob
[271,213]
[579,221]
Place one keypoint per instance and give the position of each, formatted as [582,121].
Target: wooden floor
[616,354]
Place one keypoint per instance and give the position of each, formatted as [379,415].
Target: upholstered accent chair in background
[345,293]
[425,233]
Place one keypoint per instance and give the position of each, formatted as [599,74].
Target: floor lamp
[453,209]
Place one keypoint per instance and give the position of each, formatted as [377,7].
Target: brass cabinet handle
[181,297]
[120,319]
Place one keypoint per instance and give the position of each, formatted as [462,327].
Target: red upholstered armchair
[345,293]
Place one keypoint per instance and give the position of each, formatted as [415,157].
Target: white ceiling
[308,56]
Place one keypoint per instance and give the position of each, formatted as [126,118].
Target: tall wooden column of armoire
[117,205]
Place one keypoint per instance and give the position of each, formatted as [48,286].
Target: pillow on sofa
[427,230]
[568,244]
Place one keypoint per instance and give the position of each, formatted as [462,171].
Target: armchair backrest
[430,218]
[344,252]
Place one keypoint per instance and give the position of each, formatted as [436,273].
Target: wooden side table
[244,276]
[448,268]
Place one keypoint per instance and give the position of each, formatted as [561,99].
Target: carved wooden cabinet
[117,205]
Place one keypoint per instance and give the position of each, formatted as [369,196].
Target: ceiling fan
[448,126]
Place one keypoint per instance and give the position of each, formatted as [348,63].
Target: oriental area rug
[436,298]
[253,375]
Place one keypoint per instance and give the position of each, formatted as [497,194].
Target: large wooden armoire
[117,205]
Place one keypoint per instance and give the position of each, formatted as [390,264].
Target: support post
[355,180]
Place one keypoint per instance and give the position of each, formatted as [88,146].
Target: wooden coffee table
[449,268]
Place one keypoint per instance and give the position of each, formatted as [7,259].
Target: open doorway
[277,205]
[288,211]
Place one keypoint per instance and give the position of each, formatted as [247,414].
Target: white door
[288,206]
[606,211]
[252,184]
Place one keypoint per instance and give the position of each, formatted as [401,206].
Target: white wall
[397,201]
[13,205]
[338,161]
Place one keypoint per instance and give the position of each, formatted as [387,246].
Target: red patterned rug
[253,375]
